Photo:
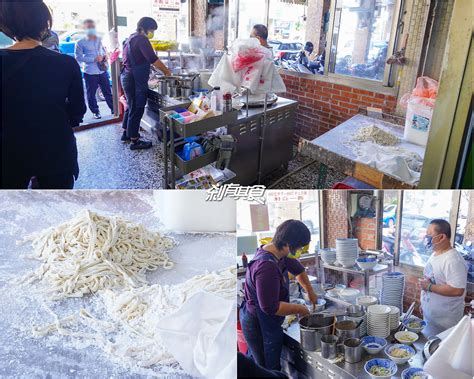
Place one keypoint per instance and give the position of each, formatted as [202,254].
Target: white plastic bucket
[418,120]
[188,211]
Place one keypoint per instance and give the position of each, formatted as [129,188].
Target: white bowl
[406,337]
[367,300]
[349,294]
[333,292]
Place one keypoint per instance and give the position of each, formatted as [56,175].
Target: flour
[92,252]
[128,331]
[373,133]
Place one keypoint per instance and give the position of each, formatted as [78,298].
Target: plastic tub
[418,120]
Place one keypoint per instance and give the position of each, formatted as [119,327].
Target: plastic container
[192,150]
[188,211]
[418,120]
[241,343]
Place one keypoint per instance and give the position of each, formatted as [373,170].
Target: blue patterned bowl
[373,345]
[414,329]
[409,373]
[381,362]
[398,360]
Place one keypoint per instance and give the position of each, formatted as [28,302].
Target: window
[419,208]
[361,38]
[351,38]
[464,237]
[389,220]
[280,206]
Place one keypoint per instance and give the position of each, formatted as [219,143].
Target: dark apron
[140,75]
[270,325]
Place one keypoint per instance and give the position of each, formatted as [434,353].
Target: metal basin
[312,328]
[347,329]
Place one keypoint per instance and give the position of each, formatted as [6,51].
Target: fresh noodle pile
[129,332]
[93,252]
[377,135]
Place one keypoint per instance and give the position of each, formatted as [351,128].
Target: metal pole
[226,24]
[398,229]
[379,219]
[262,139]
[115,67]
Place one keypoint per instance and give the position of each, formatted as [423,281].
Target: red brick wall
[323,105]
[335,216]
[364,231]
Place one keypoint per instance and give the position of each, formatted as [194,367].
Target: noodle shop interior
[370,294]
[312,94]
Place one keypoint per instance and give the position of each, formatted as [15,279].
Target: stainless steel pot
[186,92]
[347,329]
[173,86]
[355,311]
[162,86]
[353,350]
[312,328]
[329,346]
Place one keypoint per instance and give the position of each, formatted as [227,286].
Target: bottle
[245,261]
[214,101]
[227,106]
[217,92]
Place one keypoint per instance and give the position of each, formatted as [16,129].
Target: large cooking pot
[347,329]
[162,86]
[312,328]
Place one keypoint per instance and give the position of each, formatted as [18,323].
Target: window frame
[453,218]
[387,86]
[389,69]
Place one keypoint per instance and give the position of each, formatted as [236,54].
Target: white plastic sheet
[454,356]
[198,336]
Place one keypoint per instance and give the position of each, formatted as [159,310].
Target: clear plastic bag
[425,93]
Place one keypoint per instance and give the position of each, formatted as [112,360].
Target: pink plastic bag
[425,91]
[246,58]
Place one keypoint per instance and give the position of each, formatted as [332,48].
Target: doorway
[68,17]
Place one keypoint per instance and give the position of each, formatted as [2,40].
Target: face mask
[292,253]
[91,32]
[428,241]
[150,35]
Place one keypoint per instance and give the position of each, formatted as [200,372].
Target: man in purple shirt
[267,293]
[138,56]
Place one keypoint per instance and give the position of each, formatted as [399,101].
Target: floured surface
[60,357]
[341,143]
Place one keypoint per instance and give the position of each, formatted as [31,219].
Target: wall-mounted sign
[259,217]
[276,196]
[167,5]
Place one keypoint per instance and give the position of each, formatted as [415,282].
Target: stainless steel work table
[269,144]
[313,365]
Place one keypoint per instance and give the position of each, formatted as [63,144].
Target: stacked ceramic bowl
[347,251]
[378,320]
[394,318]
[393,285]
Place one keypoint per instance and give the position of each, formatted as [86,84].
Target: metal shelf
[378,268]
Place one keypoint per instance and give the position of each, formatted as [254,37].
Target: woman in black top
[42,100]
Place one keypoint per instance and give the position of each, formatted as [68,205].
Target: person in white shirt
[445,279]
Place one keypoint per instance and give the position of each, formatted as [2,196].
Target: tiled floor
[107,163]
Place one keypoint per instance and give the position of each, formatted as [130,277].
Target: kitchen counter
[312,364]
